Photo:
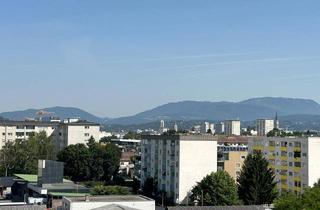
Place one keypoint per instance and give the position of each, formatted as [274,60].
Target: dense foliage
[94,162]
[256,184]
[310,200]
[110,190]
[22,156]
[216,189]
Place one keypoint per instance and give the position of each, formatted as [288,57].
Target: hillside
[245,110]
[61,112]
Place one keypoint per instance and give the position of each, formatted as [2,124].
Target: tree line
[83,162]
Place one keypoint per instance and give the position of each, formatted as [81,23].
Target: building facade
[231,158]
[264,126]
[232,127]
[177,162]
[75,133]
[12,130]
[295,161]
[63,134]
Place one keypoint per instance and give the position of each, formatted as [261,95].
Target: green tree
[132,135]
[7,158]
[77,162]
[288,201]
[107,139]
[110,190]
[256,184]
[215,189]
[112,160]
[311,198]
[149,187]
[22,156]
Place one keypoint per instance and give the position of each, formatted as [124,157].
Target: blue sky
[116,58]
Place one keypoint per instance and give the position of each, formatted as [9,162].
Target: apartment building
[12,130]
[177,162]
[63,134]
[232,151]
[69,133]
[294,160]
[232,127]
[264,126]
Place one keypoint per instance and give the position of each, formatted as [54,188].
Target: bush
[110,190]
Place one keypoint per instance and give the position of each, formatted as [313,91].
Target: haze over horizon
[117,58]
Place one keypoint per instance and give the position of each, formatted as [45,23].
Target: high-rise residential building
[208,126]
[264,126]
[170,160]
[295,161]
[232,127]
[219,128]
[175,127]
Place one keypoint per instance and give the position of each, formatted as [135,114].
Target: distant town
[72,163]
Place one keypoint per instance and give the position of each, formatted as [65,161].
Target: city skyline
[115,59]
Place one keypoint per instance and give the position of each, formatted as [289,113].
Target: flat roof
[182,137]
[34,178]
[110,198]
[68,194]
[44,123]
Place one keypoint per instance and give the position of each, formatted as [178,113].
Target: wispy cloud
[247,61]
[184,57]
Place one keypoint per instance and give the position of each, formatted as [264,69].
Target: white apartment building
[264,126]
[12,130]
[294,160]
[63,134]
[177,162]
[232,127]
[75,133]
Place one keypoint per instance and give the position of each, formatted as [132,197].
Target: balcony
[272,148]
[284,149]
[297,149]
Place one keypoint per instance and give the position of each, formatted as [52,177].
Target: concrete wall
[197,159]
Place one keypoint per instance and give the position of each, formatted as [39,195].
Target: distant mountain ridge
[246,110]
[58,111]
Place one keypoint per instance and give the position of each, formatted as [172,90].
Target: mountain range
[247,110]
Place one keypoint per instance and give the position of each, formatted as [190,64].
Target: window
[304,154]
[86,127]
[290,164]
[3,134]
[297,144]
[9,134]
[86,134]
[243,157]
[297,164]
[238,165]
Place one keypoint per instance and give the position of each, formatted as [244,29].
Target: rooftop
[110,198]
[34,178]
[183,137]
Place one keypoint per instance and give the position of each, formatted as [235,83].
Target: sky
[120,57]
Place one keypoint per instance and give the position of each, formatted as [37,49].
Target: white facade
[232,127]
[76,133]
[63,134]
[12,130]
[294,160]
[129,202]
[264,126]
[178,162]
